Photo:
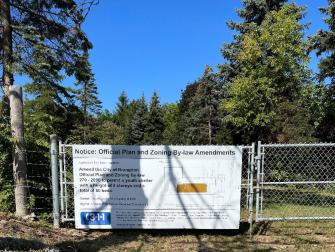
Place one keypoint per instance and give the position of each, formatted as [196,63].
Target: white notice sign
[157,186]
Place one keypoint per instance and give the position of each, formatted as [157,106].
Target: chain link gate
[66,182]
[295,182]
[67,186]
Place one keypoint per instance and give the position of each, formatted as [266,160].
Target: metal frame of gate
[67,187]
[295,182]
[247,190]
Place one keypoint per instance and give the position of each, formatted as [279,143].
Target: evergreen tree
[122,115]
[155,124]
[325,48]
[183,107]
[40,35]
[89,103]
[198,116]
[122,104]
[171,118]
[42,40]
[138,123]
[202,120]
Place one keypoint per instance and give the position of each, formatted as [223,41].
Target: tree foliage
[252,14]
[324,43]
[155,124]
[200,111]
[274,59]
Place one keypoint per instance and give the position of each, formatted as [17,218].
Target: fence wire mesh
[38,193]
[296,182]
[66,183]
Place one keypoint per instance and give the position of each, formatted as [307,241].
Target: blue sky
[162,45]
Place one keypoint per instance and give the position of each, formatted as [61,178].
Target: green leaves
[273,60]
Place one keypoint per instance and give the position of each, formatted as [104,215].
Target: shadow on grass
[18,244]
[143,237]
[139,240]
[260,228]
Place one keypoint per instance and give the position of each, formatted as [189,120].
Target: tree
[6,175]
[89,103]
[138,123]
[200,118]
[325,48]
[155,124]
[171,116]
[122,114]
[105,131]
[39,36]
[183,107]
[252,14]
[40,39]
[274,74]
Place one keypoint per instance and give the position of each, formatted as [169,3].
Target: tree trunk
[13,107]
[84,105]
[210,127]
[19,160]
[7,49]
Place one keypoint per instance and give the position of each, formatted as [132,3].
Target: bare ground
[21,235]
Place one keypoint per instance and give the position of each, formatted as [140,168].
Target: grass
[292,201]
[294,210]
[19,235]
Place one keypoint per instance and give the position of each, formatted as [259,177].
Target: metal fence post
[54,174]
[251,187]
[61,174]
[258,167]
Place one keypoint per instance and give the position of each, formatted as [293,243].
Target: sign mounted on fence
[157,186]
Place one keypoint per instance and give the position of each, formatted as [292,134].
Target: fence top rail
[298,145]
[240,146]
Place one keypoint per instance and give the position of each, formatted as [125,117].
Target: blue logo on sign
[95,218]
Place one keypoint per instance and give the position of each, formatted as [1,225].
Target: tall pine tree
[171,118]
[155,124]
[89,103]
[201,118]
[122,115]
[138,123]
[42,40]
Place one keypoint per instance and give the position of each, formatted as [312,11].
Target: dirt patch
[18,234]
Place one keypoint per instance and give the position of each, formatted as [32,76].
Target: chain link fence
[295,182]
